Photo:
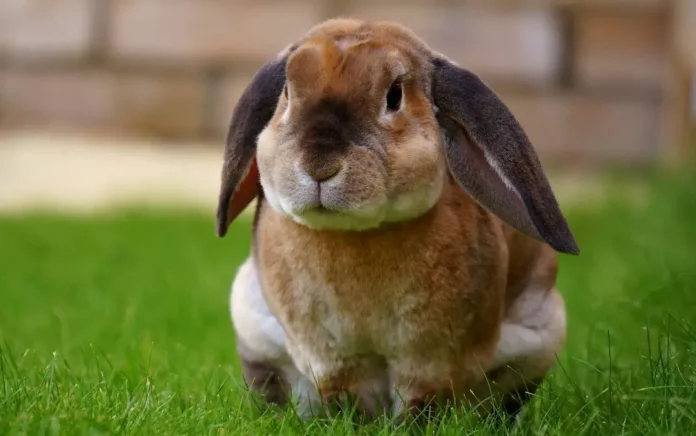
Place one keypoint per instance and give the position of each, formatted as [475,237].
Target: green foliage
[119,324]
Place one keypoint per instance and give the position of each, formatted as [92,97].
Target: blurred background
[110,100]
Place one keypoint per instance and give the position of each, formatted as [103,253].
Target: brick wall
[590,80]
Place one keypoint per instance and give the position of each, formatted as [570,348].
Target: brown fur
[433,253]
[384,250]
[461,260]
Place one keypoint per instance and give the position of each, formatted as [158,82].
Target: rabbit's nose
[323,172]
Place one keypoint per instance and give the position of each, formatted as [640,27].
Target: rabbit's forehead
[335,59]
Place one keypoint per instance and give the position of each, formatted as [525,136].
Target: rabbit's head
[360,124]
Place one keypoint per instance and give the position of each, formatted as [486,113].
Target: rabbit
[405,236]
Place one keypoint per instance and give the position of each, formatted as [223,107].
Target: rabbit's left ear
[490,156]
[240,175]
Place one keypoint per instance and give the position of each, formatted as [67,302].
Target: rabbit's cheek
[266,158]
[417,178]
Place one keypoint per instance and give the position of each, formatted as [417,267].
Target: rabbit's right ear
[240,175]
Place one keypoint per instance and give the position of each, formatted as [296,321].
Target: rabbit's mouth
[318,209]
[325,209]
[333,212]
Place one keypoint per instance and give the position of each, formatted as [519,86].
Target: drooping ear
[240,174]
[491,157]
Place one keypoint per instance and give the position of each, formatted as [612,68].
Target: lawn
[119,324]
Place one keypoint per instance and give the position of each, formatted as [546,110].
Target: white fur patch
[286,114]
[253,321]
[532,336]
[264,337]
[534,329]
[264,151]
[305,394]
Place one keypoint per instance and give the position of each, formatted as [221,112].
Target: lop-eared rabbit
[405,235]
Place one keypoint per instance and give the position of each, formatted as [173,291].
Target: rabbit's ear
[491,157]
[240,175]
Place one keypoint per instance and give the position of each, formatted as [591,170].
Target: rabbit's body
[405,236]
[410,307]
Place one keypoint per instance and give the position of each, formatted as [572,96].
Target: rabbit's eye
[285,91]
[394,96]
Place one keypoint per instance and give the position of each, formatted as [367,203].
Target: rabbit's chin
[325,219]
[330,213]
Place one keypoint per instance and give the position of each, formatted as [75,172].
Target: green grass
[119,324]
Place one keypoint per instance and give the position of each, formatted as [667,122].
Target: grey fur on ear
[491,157]
[253,111]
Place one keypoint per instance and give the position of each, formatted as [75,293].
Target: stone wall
[591,80]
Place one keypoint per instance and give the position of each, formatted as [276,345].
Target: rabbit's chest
[358,299]
[350,313]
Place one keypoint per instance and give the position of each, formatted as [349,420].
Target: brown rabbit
[405,236]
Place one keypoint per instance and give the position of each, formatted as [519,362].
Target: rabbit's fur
[404,249]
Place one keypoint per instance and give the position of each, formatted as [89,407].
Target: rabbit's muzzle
[332,192]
